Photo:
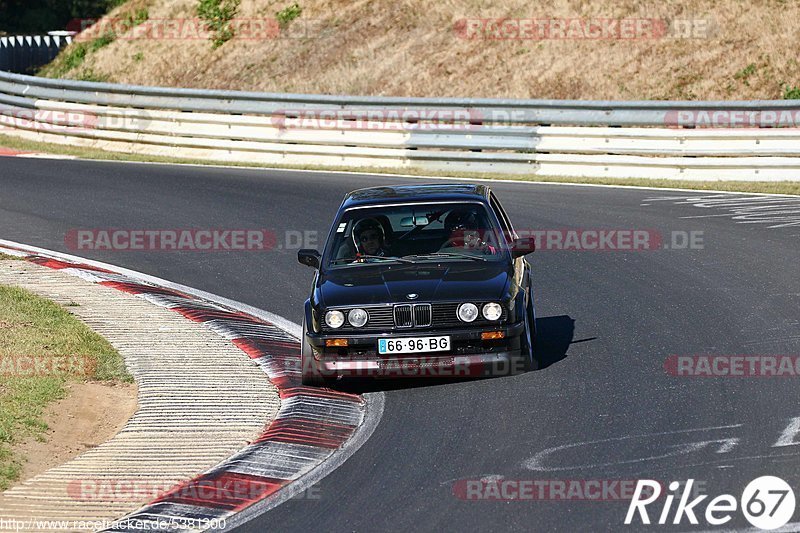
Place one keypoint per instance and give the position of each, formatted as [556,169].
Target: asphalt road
[603,409]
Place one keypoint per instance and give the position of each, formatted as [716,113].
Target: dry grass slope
[410,48]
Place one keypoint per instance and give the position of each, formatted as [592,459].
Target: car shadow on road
[555,335]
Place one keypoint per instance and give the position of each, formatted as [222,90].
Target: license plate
[413,345]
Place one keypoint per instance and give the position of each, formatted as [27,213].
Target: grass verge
[772,187]
[42,348]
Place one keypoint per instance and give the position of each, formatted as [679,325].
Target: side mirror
[309,257]
[523,246]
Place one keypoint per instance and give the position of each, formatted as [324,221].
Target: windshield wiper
[382,257]
[436,255]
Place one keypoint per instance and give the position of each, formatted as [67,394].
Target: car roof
[401,194]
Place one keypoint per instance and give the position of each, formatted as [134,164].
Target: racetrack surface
[603,409]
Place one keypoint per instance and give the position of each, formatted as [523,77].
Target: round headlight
[492,311]
[467,312]
[334,319]
[357,317]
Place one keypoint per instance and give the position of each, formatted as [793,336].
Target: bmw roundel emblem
[412,296]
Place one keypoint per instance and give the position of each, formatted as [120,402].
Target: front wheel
[528,342]
[309,372]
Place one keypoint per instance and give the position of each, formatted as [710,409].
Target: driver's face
[463,222]
[466,230]
[471,238]
[462,227]
[370,242]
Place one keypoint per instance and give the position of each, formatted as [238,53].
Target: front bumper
[469,356]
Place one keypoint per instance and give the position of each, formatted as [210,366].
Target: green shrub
[745,73]
[102,41]
[288,14]
[133,19]
[791,93]
[218,15]
[72,57]
[140,16]
[90,75]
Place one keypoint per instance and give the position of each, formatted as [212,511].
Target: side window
[508,230]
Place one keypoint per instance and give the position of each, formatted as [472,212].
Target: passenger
[464,230]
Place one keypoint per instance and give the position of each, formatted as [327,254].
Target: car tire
[528,341]
[309,372]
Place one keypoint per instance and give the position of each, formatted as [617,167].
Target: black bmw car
[416,281]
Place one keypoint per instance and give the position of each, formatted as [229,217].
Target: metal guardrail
[573,112]
[537,137]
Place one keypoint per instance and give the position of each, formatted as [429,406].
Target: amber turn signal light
[492,335]
[336,342]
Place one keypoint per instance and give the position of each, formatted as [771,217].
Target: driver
[369,238]
[464,229]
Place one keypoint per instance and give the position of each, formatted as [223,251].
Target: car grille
[422,315]
[403,316]
[413,316]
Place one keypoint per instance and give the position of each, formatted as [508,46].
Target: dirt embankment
[706,49]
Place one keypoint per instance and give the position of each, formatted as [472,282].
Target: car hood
[373,284]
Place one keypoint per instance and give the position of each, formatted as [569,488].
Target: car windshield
[415,234]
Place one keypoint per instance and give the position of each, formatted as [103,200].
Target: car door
[521,265]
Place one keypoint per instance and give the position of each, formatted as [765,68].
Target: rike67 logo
[767,503]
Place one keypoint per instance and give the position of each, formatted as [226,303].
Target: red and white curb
[314,431]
